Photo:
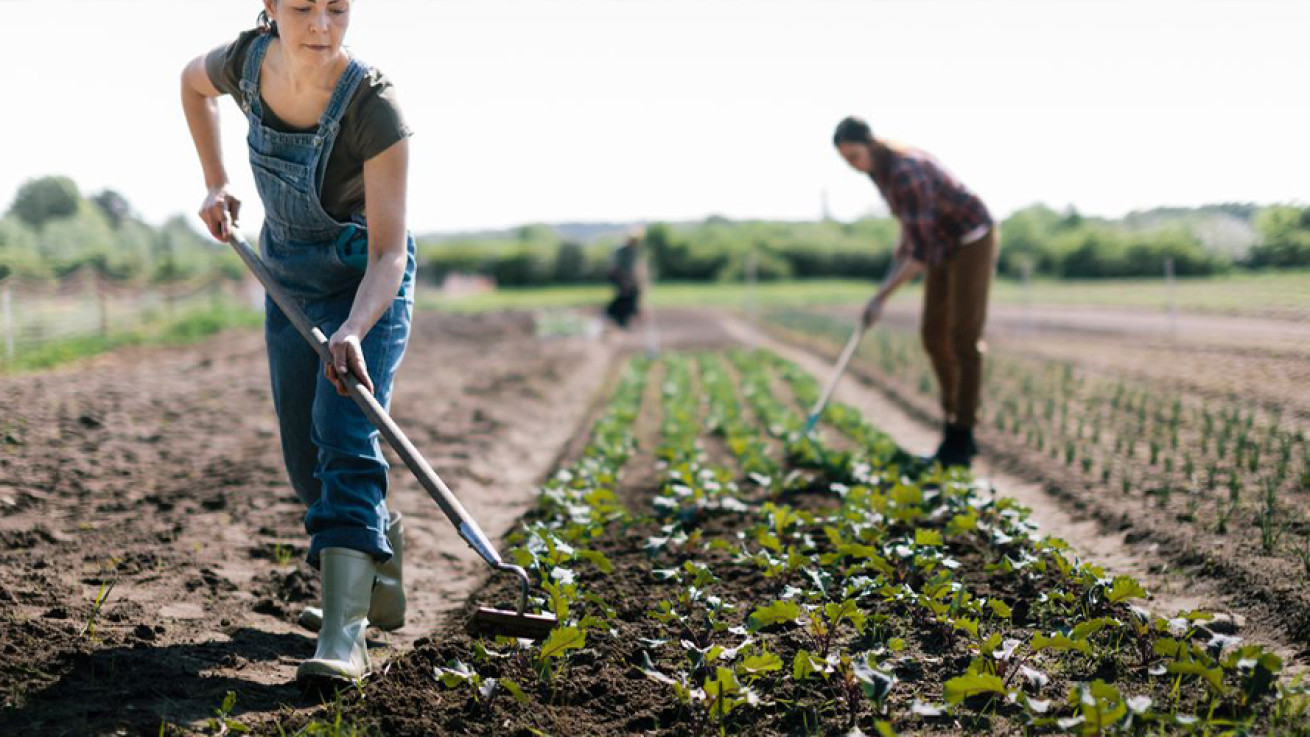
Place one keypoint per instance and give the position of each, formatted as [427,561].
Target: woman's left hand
[347,358]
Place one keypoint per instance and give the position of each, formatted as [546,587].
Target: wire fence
[36,314]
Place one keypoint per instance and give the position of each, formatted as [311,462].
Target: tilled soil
[150,481]
[158,471]
[1270,594]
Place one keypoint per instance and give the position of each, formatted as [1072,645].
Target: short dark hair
[852,130]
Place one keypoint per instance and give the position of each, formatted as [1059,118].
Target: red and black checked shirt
[934,209]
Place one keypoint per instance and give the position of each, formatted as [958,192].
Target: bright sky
[536,110]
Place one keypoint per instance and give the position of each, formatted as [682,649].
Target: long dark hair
[266,24]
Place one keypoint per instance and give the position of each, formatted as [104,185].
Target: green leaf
[805,665]
[972,684]
[966,624]
[1125,587]
[764,662]
[1058,641]
[779,612]
[515,690]
[999,608]
[1167,647]
[924,536]
[962,523]
[1086,629]
[847,610]
[455,673]
[597,559]
[561,640]
[1214,677]
[896,644]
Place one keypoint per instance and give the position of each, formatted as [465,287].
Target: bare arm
[200,104]
[903,269]
[384,196]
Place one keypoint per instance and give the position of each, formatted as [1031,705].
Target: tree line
[51,230]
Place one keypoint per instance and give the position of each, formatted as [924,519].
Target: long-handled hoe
[486,620]
[840,369]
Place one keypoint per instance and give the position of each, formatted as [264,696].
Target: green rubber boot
[387,612]
[347,590]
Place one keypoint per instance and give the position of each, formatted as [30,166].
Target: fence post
[752,277]
[103,302]
[1026,269]
[7,309]
[1172,296]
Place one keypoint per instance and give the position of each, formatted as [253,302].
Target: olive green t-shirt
[371,123]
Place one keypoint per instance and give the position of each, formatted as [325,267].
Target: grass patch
[186,327]
[1279,294]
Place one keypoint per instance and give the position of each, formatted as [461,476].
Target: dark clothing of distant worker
[624,274]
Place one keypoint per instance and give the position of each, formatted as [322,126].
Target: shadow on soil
[136,688]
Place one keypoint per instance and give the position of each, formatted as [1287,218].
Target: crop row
[1224,465]
[792,583]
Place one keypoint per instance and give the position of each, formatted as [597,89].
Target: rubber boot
[387,612]
[347,588]
[957,447]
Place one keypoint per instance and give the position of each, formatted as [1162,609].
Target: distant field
[1279,294]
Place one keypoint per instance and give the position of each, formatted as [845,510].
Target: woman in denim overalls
[353,279]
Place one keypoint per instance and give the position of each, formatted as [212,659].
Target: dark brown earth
[158,471]
[1193,565]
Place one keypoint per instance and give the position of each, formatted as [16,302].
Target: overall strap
[250,75]
[330,123]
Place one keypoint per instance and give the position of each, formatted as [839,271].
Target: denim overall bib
[330,448]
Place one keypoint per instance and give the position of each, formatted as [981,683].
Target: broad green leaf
[1058,641]
[515,690]
[805,665]
[962,523]
[925,536]
[972,684]
[455,673]
[966,624]
[597,559]
[1125,587]
[1086,629]
[764,662]
[779,612]
[561,640]
[1214,677]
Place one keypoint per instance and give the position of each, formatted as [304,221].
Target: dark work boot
[957,447]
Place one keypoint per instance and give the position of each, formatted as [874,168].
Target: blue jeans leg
[350,511]
[291,363]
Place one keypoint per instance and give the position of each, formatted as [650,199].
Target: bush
[1284,238]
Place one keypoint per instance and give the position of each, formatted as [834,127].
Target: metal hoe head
[491,621]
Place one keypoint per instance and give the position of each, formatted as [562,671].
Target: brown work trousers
[954,313]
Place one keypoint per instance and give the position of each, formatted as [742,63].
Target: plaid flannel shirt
[935,210]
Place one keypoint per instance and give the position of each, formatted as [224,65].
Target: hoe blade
[490,622]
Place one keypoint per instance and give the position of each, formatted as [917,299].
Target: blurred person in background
[328,146]
[948,235]
[628,275]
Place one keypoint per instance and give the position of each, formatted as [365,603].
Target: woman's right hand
[220,213]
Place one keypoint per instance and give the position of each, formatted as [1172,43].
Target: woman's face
[311,30]
[858,155]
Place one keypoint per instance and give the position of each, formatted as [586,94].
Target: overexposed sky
[552,110]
